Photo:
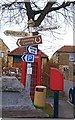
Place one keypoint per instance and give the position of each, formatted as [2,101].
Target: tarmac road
[66,109]
[67,85]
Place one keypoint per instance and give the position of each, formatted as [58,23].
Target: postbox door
[56,79]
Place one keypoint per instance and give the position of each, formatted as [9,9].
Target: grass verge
[47,109]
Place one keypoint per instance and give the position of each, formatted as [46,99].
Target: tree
[37,12]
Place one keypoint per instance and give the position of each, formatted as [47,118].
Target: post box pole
[56,102]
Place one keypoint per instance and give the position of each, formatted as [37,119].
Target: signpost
[29,69]
[32,50]
[28,58]
[18,33]
[29,40]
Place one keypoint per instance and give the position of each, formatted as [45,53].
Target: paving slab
[66,110]
[24,114]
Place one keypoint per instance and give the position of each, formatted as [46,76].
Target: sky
[49,43]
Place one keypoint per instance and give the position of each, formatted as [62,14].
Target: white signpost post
[28,78]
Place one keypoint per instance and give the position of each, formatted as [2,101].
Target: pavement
[65,108]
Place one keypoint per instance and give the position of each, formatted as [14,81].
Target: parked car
[72,95]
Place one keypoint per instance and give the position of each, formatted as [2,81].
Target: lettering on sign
[19,33]
[16,33]
[29,40]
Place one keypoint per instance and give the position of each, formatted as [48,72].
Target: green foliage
[47,109]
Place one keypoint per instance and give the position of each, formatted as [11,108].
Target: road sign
[16,33]
[37,39]
[29,71]
[19,33]
[32,50]
[28,58]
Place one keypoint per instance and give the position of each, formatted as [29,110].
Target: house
[65,58]
[3,54]
[15,57]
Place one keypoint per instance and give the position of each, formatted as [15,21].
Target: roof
[22,50]
[67,49]
[4,43]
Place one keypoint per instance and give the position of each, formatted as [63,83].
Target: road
[67,85]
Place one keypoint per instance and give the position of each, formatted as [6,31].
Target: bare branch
[31,13]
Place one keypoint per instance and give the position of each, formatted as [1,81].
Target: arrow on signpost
[32,50]
[28,58]
[19,33]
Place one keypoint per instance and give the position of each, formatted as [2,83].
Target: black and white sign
[29,71]
[32,50]
[28,58]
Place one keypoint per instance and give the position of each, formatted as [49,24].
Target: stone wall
[10,61]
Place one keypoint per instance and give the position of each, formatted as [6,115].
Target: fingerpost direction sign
[37,39]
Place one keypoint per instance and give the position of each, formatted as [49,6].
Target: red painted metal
[36,74]
[23,78]
[56,79]
[39,70]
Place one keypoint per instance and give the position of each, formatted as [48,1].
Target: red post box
[56,79]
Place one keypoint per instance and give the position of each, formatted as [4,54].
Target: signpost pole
[28,81]
[56,102]
[28,78]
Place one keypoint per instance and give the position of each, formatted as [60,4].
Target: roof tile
[67,49]
[22,50]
